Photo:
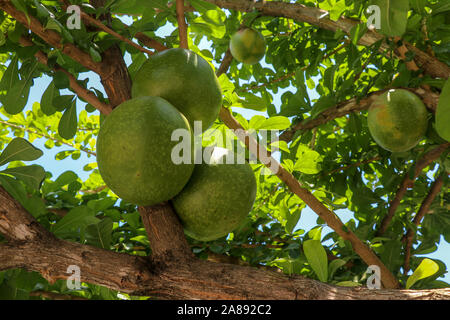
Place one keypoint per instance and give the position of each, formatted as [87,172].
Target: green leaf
[292,220]
[256,121]
[274,123]
[425,269]
[308,161]
[61,80]
[21,6]
[19,149]
[32,175]
[95,55]
[334,266]
[77,218]
[253,102]
[99,234]
[324,103]
[17,90]
[443,112]
[357,32]
[14,188]
[11,75]
[67,127]
[394,16]
[391,255]
[317,258]
[62,102]
[47,99]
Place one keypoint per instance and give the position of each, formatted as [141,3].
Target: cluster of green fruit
[170,91]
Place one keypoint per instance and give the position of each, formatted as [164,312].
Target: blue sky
[308,217]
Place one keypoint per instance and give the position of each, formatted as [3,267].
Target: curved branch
[407,182]
[424,208]
[343,108]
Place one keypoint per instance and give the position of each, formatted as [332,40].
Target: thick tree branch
[424,208]
[366,254]
[182,26]
[33,248]
[407,182]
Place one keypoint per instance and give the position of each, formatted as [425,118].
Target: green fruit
[184,79]
[443,112]
[134,151]
[248,46]
[216,199]
[397,120]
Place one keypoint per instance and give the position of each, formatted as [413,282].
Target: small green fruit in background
[217,198]
[186,80]
[134,151]
[397,120]
[248,46]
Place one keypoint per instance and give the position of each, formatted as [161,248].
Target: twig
[366,254]
[182,26]
[424,208]
[13,125]
[407,182]
[356,164]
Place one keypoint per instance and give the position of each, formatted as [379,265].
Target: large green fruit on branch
[248,46]
[397,120]
[217,198]
[184,79]
[134,149]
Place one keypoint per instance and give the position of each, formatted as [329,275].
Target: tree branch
[16,126]
[353,105]
[366,254]
[318,17]
[182,26]
[51,37]
[424,208]
[33,248]
[94,22]
[82,92]
[407,182]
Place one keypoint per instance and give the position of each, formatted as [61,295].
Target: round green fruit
[184,79]
[397,120]
[248,46]
[134,151]
[216,199]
